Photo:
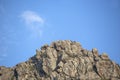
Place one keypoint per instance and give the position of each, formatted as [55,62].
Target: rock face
[64,60]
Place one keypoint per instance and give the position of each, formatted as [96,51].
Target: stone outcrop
[64,60]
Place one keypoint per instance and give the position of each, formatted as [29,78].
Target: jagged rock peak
[64,60]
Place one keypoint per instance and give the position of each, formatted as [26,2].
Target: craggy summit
[64,60]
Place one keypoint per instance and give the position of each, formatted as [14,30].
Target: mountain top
[64,60]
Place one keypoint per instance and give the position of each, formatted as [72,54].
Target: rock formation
[64,60]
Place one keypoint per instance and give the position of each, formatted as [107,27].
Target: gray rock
[95,52]
[64,60]
[104,56]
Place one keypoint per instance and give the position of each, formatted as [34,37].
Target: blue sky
[26,25]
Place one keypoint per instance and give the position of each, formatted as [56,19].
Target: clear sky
[26,25]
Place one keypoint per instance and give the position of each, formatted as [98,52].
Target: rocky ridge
[64,60]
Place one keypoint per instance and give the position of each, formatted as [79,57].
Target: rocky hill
[64,60]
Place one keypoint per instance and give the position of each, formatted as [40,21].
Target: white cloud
[31,17]
[34,21]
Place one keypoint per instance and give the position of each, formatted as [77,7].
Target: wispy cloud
[34,21]
[31,17]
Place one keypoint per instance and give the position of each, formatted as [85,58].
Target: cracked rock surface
[64,60]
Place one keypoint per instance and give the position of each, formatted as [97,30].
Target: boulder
[104,56]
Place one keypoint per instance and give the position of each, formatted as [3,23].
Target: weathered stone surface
[64,60]
[104,56]
[6,73]
[95,52]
